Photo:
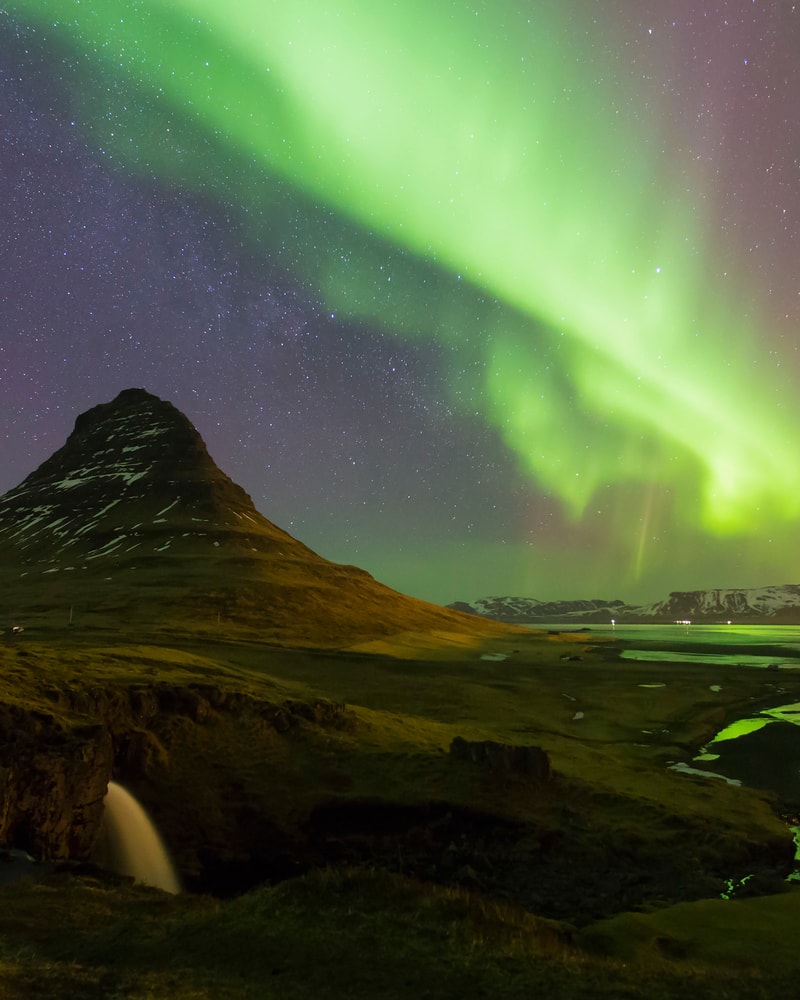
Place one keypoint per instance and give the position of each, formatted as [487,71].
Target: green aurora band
[491,187]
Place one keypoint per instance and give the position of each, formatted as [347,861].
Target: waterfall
[130,844]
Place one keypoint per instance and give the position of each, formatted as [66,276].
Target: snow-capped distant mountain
[781,601]
[777,605]
[526,610]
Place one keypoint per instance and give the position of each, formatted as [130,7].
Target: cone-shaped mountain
[132,520]
[131,474]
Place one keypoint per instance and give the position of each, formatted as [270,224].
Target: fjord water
[131,845]
[746,643]
[761,635]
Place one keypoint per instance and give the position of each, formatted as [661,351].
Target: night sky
[486,298]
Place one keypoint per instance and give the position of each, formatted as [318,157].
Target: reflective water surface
[755,645]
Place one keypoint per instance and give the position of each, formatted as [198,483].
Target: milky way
[486,298]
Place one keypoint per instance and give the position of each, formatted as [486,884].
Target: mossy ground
[333,935]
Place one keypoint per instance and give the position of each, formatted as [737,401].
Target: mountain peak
[129,401]
[131,520]
[137,453]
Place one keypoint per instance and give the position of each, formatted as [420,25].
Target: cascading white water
[130,843]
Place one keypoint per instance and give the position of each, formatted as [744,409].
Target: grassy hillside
[416,874]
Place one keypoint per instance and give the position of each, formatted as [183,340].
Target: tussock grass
[327,935]
[745,934]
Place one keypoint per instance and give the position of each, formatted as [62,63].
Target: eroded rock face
[530,761]
[52,785]
[54,775]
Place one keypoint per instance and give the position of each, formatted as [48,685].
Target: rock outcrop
[52,783]
[530,761]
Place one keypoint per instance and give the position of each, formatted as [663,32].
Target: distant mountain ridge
[523,610]
[778,605]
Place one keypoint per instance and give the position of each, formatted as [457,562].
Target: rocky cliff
[52,782]
[187,748]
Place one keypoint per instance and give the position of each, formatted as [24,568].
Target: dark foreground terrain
[333,846]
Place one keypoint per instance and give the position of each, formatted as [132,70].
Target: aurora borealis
[485,298]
